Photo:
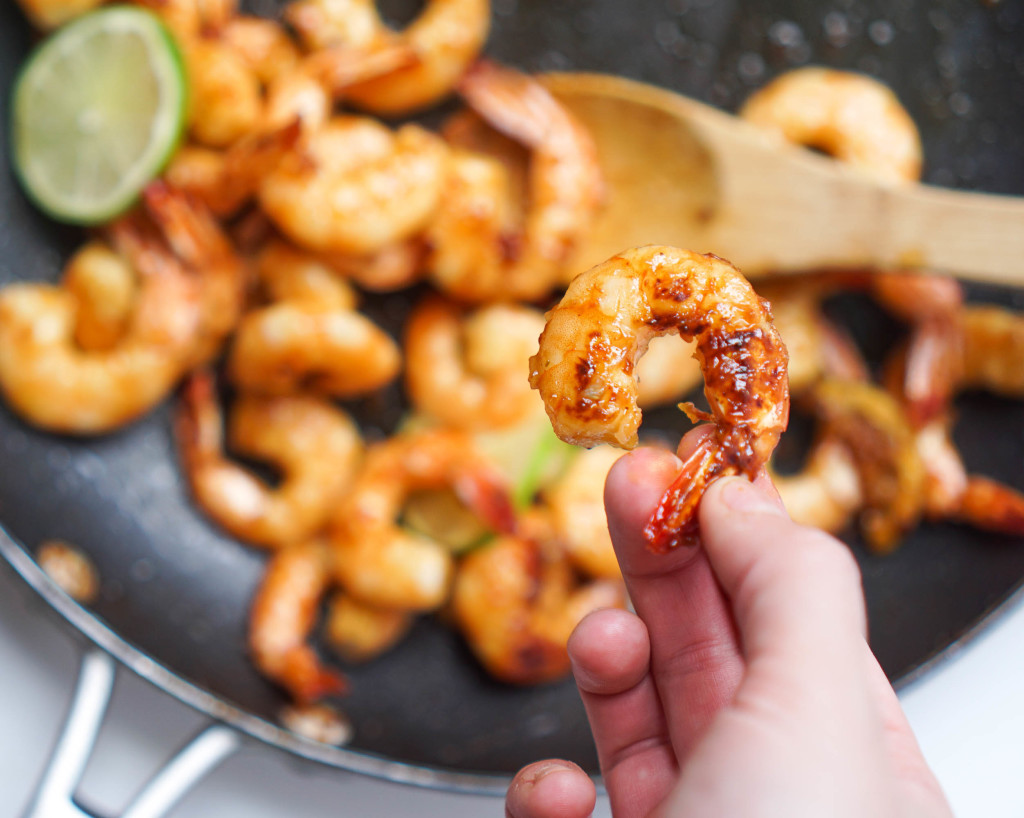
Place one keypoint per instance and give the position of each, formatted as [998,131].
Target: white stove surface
[968,714]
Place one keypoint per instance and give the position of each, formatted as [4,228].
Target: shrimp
[360,632]
[223,181]
[851,116]
[445,38]
[226,99]
[565,190]
[993,348]
[827,492]
[54,384]
[469,370]
[584,368]
[198,241]
[47,15]
[516,607]
[311,344]
[289,274]
[283,614]
[379,561]
[882,443]
[263,44]
[104,286]
[391,268]
[315,445]
[354,186]
[576,501]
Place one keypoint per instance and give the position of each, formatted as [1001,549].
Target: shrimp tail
[490,499]
[991,506]
[674,521]
[307,680]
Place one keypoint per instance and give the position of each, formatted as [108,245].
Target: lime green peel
[97,112]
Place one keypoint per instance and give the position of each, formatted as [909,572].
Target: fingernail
[742,495]
[543,770]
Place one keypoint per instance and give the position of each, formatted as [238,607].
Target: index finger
[695,657]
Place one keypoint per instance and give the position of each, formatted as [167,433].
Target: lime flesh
[98,110]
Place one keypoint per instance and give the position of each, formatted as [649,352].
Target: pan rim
[90,625]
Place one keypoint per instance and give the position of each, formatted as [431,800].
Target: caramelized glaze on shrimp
[584,368]
[315,445]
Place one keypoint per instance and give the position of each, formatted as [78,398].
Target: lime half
[97,111]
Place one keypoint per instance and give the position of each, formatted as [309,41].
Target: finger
[610,655]
[917,788]
[695,658]
[795,591]
[550,789]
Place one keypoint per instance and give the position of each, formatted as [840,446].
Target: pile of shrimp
[237,290]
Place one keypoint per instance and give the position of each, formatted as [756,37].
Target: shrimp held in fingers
[283,614]
[315,445]
[585,367]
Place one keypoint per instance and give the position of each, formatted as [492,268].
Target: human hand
[744,685]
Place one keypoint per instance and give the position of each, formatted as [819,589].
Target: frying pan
[175,591]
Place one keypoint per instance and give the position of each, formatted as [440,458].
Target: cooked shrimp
[290,274]
[198,240]
[517,607]
[827,492]
[993,349]
[104,286]
[263,44]
[584,368]
[54,384]
[225,180]
[50,14]
[360,632]
[301,344]
[565,190]
[315,446]
[379,561]
[576,500]
[471,369]
[225,97]
[391,268]
[877,434]
[309,90]
[355,186]
[445,38]
[851,116]
[283,614]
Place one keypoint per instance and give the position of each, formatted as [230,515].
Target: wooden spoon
[680,172]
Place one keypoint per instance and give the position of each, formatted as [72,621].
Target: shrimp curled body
[585,367]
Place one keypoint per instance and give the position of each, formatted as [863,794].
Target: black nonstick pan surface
[175,591]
